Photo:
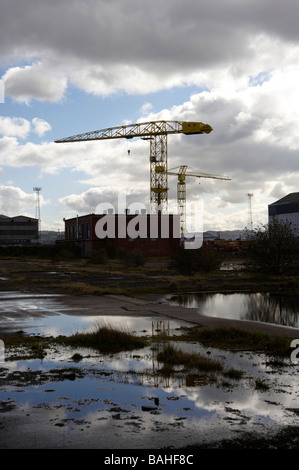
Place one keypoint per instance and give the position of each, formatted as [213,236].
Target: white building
[286,209]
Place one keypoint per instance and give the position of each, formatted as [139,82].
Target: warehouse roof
[292,197]
[17,218]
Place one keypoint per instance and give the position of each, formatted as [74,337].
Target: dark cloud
[168,40]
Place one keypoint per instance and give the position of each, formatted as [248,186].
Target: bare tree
[274,248]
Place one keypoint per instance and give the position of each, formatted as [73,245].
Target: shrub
[191,261]
[133,258]
[274,248]
[99,257]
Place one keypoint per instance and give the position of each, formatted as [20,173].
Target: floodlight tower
[37,190]
[250,223]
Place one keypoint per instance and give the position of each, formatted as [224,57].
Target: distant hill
[225,234]
[48,236]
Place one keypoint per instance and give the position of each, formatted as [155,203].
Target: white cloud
[40,126]
[90,200]
[21,128]
[37,81]
[146,108]
[18,127]
[14,201]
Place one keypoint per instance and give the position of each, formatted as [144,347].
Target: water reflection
[272,308]
[261,307]
[123,400]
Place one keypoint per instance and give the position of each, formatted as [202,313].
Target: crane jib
[142,130]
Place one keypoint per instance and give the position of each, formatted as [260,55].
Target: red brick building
[153,235]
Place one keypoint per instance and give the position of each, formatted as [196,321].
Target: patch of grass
[77,357]
[105,339]
[26,347]
[261,385]
[236,338]
[234,374]
[171,356]
[81,288]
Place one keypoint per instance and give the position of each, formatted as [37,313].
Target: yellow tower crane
[156,132]
[183,171]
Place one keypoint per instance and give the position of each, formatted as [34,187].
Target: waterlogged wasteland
[79,398]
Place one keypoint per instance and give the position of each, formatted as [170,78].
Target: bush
[61,250]
[133,258]
[274,248]
[191,261]
[99,257]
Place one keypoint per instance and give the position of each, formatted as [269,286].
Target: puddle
[261,307]
[123,401]
[42,314]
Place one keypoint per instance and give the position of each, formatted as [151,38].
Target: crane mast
[183,171]
[156,132]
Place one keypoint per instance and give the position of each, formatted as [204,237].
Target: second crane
[182,172]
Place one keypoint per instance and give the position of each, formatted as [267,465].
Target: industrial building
[154,235]
[19,230]
[286,209]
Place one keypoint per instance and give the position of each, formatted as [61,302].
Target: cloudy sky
[73,66]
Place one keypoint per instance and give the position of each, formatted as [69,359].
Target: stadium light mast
[250,222]
[37,190]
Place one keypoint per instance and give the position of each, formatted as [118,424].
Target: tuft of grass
[26,347]
[171,356]
[81,288]
[261,385]
[104,338]
[236,338]
[234,374]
